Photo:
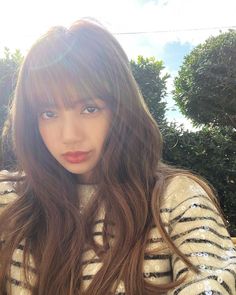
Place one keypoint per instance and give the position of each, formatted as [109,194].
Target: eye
[47,115]
[90,110]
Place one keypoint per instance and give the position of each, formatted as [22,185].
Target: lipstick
[76,157]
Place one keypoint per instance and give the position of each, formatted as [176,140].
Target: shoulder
[183,187]
[186,196]
[7,190]
[183,183]
[188,202]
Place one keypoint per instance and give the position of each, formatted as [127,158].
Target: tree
[9,66]
[205,88]
[152,83]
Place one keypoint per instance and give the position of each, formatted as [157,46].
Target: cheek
[106,129]
[104,135]
[48,137]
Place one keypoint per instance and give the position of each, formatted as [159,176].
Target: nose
[71,129]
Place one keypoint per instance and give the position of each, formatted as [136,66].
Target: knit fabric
[193,224]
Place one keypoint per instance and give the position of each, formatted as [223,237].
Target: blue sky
[173,56]
[168,29]
[174,52]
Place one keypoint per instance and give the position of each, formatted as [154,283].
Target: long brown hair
[87,60]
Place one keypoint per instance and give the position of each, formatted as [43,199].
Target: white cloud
[174,20]
[21,22]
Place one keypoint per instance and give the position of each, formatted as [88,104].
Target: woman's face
[75,135]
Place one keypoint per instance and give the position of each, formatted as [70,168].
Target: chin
[77,170]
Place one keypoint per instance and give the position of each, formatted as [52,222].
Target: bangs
[63,74]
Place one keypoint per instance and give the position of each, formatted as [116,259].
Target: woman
[92,209]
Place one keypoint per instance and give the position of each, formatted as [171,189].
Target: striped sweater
[194,225]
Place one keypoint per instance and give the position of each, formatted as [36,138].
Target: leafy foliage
[9,65]
[205,89]
[148,74]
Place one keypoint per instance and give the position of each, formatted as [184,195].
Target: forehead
[64,81]
[58,91]
[59,94]
[72,103]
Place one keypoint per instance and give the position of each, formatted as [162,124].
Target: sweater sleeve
[15,284]
[7,191]
[198,231]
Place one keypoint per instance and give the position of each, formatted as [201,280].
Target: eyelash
[45,112]
[91,107]
[85,108]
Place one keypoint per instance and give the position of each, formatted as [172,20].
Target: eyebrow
[51,104]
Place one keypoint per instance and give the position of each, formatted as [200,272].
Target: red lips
[76,157]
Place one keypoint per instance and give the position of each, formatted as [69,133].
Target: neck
[87,180]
